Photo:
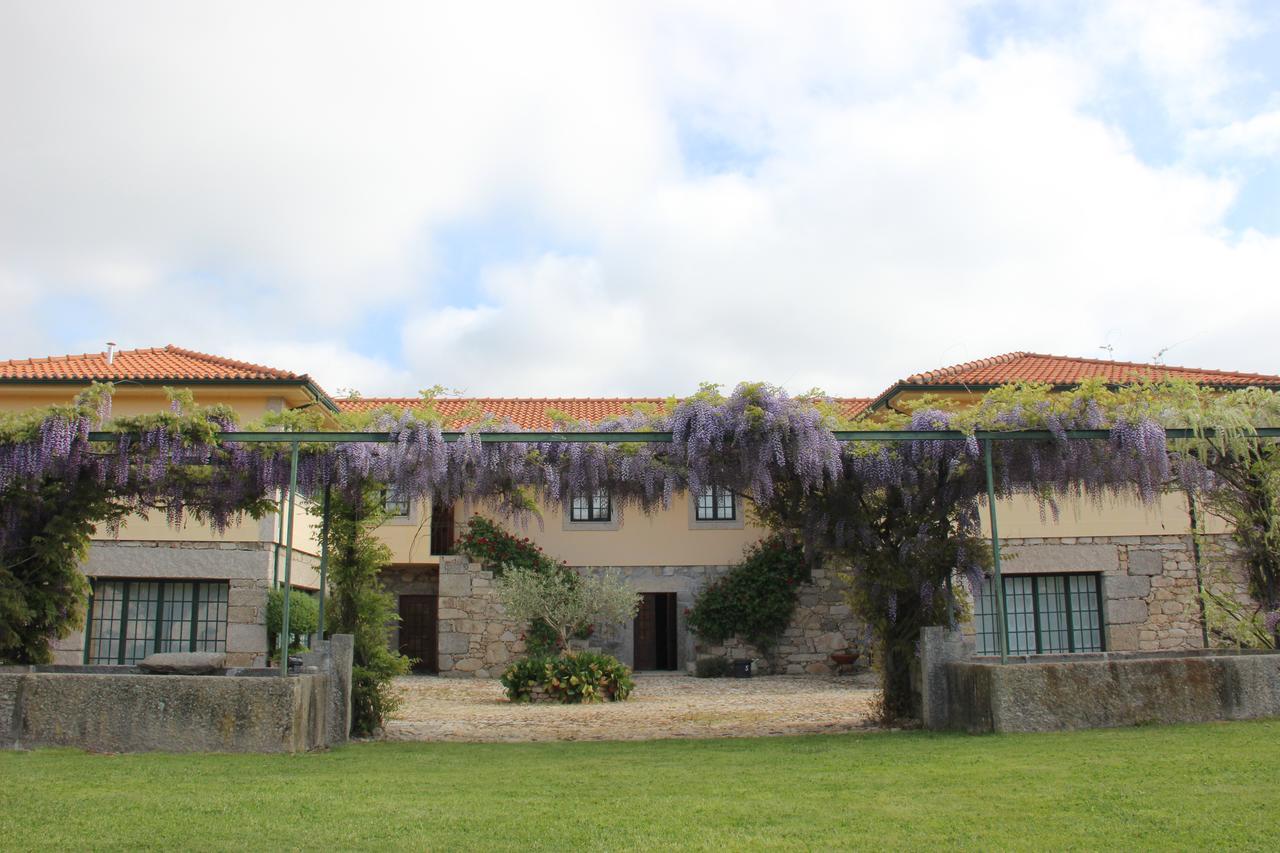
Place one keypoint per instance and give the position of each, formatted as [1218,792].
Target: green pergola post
[288,561]
[1002,630]
[324,556]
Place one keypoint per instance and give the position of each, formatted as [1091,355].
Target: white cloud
[731,190]
[1257,136]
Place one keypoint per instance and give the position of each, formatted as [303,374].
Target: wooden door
[646,644]
[655,632]
[418,631]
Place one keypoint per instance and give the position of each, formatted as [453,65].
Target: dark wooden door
[442,529]
[418,631]
[655,632]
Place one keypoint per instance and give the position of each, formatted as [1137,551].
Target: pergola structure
[986,437]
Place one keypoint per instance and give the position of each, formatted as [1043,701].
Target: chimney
[111,351]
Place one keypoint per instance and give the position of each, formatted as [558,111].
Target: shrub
[487,543]
[571,678]
[304,618]
[716,667]
[566,603]
[756,599]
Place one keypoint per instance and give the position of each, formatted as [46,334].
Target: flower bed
[571,678]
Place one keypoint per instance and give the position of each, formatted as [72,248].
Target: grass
[1207,786]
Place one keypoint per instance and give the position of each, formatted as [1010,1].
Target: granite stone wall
[1149,583]
[477,639]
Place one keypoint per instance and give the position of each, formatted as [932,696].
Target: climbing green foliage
[359,605]
[756,599]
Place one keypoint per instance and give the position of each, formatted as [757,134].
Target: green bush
[717,667]
[570,678]
[756,599]
[487,543]
[304,618]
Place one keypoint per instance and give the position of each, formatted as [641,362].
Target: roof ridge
[1148,365]
[223,361]
[951,370]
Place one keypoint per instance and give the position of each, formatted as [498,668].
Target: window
[715,504]
[1046,614]
[129,620]
[596,506]
[394,505]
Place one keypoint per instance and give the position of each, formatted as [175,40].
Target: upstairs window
[595,506]
[394,505]
[1046,614]
[716,504]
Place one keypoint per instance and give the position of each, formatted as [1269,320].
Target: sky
[609,199]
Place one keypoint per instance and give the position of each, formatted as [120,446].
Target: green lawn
[1210,786]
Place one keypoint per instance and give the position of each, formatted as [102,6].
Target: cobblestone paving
[662,706]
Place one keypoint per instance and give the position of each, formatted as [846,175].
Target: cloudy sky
[617,199]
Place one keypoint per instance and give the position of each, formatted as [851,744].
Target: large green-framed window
[1046,614]
[129,620]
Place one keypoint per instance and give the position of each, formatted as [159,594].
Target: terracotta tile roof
[531,412]
[167,363]
[1066,370]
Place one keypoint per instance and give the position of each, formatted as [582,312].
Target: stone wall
[1063,692]
[477,639]
[118,709]
[824,623]
[1149,583]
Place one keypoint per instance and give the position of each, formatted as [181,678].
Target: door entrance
[418,631]
[655,632]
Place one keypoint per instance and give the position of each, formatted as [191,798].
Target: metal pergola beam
[657,437]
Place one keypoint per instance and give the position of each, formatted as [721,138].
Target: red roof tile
[169,363]
[1065,370]
[531,412]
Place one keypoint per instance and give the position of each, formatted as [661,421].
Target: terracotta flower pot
[845,658]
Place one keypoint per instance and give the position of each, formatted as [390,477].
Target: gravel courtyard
[662,706]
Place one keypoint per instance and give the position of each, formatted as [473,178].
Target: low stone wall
[1091,691]
[115,709]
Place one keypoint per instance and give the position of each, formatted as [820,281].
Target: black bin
[742,668]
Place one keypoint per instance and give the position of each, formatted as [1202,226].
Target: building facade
[1119,577]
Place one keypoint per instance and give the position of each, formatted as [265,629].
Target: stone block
[1119,586]
[455,585]
[1053,557]
[1127,611]
[183,663]
[1124,638]
[453,643]
[1145,562]
[250,638]
[451,613]
[468,665]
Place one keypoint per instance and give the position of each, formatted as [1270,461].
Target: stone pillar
[938,647]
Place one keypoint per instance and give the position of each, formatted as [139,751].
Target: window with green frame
[129,620]
[1045,614]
